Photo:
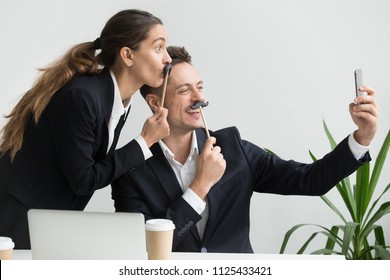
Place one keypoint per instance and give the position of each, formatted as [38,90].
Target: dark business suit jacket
[64,157]
[154,190]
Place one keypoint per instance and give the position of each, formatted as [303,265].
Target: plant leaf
[362,191]
[348,235]
[343,194]
[375,203]
[269,151]
[303,248]
[334,208]
[365,185]
[380,160]
[380,251]
[379,236]
[332,142]
[325,252]
[333,238]
[365,254]
[346,194]
[350,198]
[288,235]
[312,156]
[331,241]
[383,210]
[344,187]
[326,232]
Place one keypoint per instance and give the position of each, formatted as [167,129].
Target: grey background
[274,69]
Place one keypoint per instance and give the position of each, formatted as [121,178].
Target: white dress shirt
[185,174]
[357,150]
[117,111]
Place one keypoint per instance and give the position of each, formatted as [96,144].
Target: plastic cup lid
[159,225]
[6,243]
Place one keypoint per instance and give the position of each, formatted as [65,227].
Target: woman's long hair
[126,28]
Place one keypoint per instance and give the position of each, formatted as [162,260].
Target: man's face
[184,89]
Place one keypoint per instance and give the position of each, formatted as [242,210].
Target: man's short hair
[178,55]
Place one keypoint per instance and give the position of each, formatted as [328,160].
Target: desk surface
[26,255]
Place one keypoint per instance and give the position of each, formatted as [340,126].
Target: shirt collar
[117,107]
[194,148]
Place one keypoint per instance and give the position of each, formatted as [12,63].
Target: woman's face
[151,57]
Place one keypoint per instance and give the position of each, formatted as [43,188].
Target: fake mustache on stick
[166,71]
[200,105]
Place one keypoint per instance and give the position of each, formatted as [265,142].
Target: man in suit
[204,185]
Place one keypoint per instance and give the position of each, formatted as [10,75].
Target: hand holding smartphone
[359,82]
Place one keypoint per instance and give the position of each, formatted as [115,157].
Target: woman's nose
[167,58]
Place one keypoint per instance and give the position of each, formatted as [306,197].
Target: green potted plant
[359,236]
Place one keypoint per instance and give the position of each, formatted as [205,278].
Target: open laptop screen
[78,235]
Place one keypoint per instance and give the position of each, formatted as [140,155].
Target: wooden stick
[204,122]
[164,90]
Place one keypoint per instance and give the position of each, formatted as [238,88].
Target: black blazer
[154,190]
[63,159]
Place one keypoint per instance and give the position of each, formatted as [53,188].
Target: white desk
[26,255]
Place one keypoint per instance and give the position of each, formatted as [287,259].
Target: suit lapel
[213,203]
[201,137]
[107,92]
[164,172]
[213,196]
[107,96]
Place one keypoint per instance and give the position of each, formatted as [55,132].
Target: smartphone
[358,82]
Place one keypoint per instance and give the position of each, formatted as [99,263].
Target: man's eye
[183,91]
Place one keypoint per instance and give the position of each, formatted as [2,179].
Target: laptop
[79,235]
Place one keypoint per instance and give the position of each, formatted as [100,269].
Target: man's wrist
[194,200]
[357,149]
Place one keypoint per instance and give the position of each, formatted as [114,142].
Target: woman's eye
[158,48]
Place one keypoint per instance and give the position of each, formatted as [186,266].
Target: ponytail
[79,60]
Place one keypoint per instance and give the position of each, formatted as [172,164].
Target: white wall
[275,69]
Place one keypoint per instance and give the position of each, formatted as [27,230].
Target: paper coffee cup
[159,237]
[6,248]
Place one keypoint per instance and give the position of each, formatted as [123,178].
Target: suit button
[203,250]
[132,169]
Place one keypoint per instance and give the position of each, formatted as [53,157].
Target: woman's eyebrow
[158,39]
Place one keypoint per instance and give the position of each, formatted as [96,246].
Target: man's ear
[153,100]
[127,56]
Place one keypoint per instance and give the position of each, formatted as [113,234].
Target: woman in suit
[59,144]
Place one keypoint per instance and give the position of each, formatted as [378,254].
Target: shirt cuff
[357,150]
[145,149]
[194,200]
